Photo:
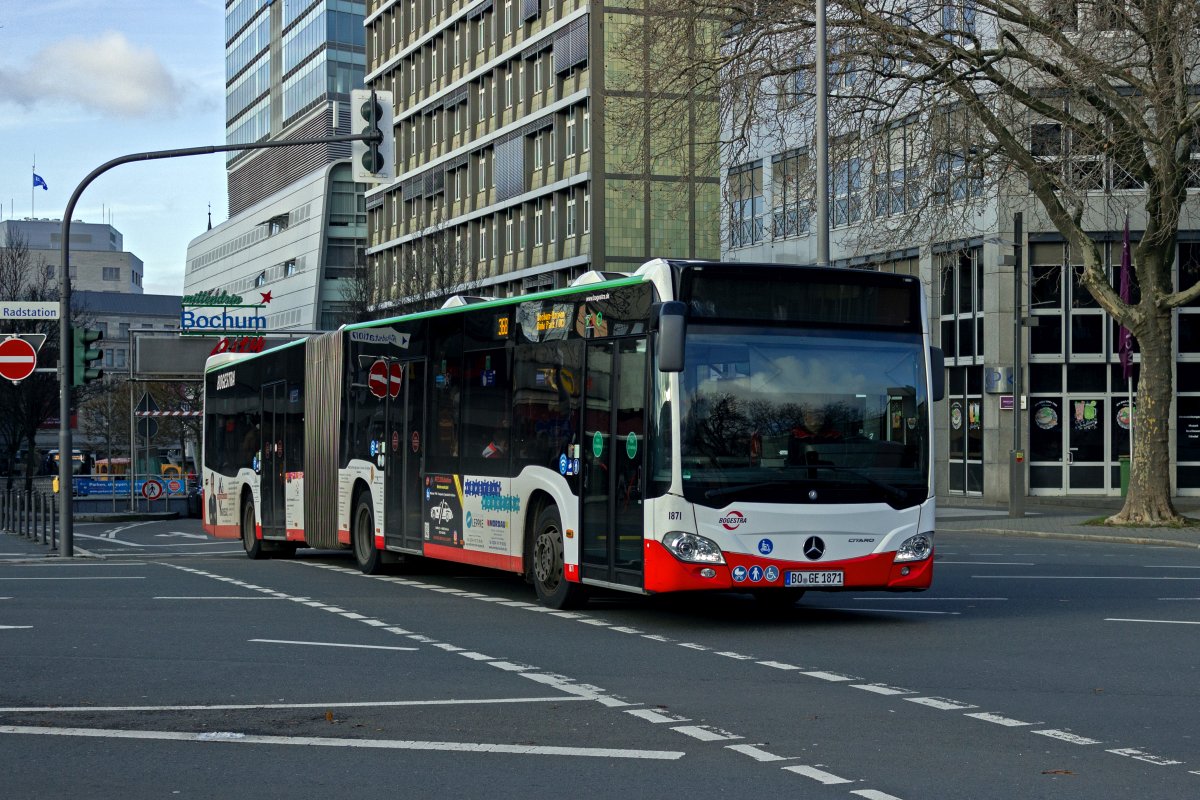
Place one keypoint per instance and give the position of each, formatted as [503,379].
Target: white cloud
[108,74]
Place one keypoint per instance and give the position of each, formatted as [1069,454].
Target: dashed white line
[999,720]
[881,688]
[471,654]
[1155,621]
[333,644]
[269,706]
[705,733]
[940,703]
[1130,752]
[385,744]
[898,611]
[778,665]
[756,753]
[1067,736]
[832,677]
[872,794]
[820,775]
[655,716]
[214,597]
[509,666]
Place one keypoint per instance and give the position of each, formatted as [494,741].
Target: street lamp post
[1016,474]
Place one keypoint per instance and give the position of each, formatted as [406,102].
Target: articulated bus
[762,429]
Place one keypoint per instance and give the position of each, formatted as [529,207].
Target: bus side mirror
[937,372]
[672,325]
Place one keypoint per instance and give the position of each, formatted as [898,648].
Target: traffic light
[373,162]
[84,353]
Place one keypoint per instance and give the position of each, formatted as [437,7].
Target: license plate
[813,578]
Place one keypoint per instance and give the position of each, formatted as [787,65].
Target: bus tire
[778,598]
[252,544]
[547,567]
[362,536]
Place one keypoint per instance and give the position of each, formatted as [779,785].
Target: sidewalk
[1054,519]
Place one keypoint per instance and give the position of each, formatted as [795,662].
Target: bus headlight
[693,547]
[915,548]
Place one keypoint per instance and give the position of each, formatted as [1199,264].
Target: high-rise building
[297,226]
[518,166]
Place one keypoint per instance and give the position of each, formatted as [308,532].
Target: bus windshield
[803,416]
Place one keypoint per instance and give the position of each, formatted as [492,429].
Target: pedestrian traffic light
[84,353]
[373,161]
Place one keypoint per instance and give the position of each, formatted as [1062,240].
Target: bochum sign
[219,313]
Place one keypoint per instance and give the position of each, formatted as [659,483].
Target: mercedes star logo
[814,548]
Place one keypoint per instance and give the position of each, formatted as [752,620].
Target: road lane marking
[1086,577]
[379,744]
[1159,621]
[756,753]
[777,665]
[941,703]
[705,733]
[896,611]
[214,597]
[655,716]
[832,677]
[332,644]
[1067,736]
[827,778]
[15,627]
[481,701]
[881,688]
[999,720]
[84,578]
[871,794]
[1130,752]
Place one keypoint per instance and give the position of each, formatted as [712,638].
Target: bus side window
[485,440]
[446,379]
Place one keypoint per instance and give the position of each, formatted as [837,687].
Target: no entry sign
[18,359]
[397,380]
[377,378]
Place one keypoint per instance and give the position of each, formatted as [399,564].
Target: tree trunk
[1148,501]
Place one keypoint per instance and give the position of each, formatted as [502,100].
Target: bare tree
[1076,112]
[26,406]
[104,417]
[436,267]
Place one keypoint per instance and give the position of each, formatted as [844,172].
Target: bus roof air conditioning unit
[596,276]
[460,300]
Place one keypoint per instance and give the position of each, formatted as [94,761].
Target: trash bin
[1124,475]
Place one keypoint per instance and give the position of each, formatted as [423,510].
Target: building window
[789,205]
[537,74]
[587,131]
[569,144]
[553,218]
[508,232]
[289,268]
[587,212]
[847,192]
[507,17]
[260,279]
[508,88]
[570,217]
[522,229]
[746,205]
[537,151]
[483,243]
[112,273]
[537,226]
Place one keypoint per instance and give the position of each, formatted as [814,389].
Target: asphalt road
[176,667]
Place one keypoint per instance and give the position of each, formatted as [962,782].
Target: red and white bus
[692,426]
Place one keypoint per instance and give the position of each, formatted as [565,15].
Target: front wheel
[362,533]
[250,541]
[549,574]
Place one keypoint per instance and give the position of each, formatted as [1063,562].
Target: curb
[126,516]
[1081,537]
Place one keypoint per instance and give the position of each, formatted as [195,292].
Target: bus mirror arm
[672,327]
[937,372]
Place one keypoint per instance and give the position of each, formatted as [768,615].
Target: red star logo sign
[266,297]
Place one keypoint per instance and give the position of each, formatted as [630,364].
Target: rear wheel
[362,534]
[549,574]
[250,541]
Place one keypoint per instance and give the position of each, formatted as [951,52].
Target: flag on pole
[38,180]
[1125,337]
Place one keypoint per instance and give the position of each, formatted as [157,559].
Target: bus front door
[272,440]
[405,443]
[614,447]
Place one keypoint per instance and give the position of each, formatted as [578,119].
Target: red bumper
[665,573]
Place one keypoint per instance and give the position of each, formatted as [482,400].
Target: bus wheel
[363,535]
[553,588]
[253,545]
[778,598]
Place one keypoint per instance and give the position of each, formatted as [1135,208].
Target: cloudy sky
[86,81]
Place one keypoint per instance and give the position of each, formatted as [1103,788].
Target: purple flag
[1125,338]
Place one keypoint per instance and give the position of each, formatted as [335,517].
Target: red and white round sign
[377,378]
[396,380]
[18,359]
[152,489]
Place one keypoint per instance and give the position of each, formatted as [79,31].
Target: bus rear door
[405,447]
[614,447]
[272,441]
